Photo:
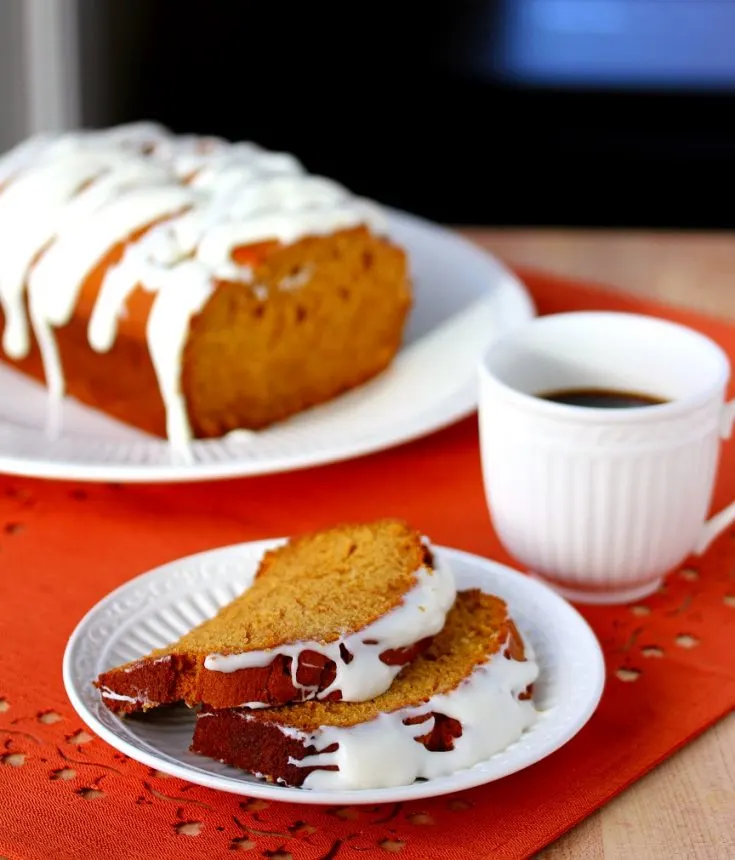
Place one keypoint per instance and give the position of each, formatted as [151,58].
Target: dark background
[499,112]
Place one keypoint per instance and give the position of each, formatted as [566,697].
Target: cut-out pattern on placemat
[66,794]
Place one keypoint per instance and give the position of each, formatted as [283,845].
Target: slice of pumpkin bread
[330,615]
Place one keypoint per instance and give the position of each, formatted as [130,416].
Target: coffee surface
[601,398]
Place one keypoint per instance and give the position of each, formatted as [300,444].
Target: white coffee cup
[603,503]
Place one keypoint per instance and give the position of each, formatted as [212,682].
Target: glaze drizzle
[68,199]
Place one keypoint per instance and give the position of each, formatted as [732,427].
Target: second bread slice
[465,698]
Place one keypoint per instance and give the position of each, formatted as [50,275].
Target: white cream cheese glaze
[421,614]
[107,693]
[68,199]
[383,752]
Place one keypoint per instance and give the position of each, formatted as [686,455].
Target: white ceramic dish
[159,606]
[463,298]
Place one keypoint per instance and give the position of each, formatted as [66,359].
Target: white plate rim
[460,781]
[460,404]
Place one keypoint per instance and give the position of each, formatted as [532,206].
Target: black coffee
[601,398]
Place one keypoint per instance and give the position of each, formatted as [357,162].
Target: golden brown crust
[262,748]
[182,677]
[249,362]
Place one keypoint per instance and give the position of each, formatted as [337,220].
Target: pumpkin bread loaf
[189,286]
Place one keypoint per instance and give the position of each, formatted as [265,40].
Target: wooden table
[685,808]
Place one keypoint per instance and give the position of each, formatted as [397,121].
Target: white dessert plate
[158,607]
[463,298]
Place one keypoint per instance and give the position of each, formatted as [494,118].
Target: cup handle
[717,524]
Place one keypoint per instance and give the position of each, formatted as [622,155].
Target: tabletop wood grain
[685,808]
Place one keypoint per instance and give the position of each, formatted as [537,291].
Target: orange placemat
[65,794]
